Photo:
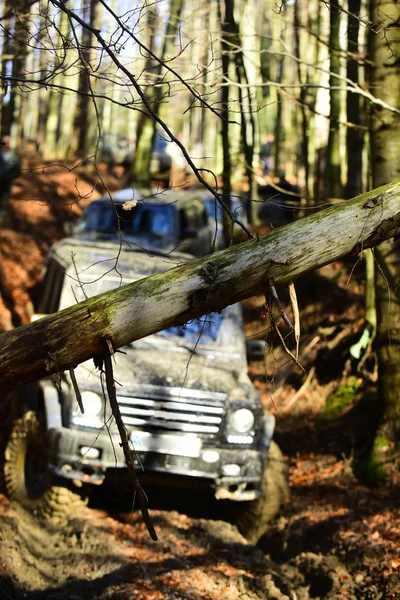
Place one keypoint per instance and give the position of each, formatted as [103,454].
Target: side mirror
[255,350]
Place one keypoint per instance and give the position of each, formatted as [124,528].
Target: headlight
[92,404]
[241,420]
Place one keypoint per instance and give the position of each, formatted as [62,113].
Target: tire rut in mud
[111,557]
[39,560]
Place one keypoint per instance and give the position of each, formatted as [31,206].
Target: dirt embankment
[335,539]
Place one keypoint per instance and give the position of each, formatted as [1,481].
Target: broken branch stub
[62,340]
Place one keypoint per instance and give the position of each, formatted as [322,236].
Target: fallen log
[60,341]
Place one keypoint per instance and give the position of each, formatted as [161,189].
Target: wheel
[28,480]
[252,518]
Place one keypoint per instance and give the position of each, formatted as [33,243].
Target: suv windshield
[144,219]
[204,330]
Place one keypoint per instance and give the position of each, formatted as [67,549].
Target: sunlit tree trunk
[385,152]
[279,132]
[83,113]
[227,28]
[43,104]
[145,125]
[304,115]
[247,108]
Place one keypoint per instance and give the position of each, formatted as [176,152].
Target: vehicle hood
[141,367]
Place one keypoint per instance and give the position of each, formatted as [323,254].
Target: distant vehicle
[215,211]
[120,150]
[200,424]
[116,150]
[279,207]
[163,221]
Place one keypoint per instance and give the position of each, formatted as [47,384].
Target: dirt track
[318,548]
[336,538]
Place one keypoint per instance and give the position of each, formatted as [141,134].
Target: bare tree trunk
[385,152]
[16,43]
[86,55]
[304,116]
[279,133]
[145,124]
[354,135]
[60,341]
[333,166]
[227,21]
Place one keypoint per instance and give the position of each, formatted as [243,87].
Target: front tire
[28,479]
[252,518]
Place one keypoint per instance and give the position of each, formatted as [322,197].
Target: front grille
[174,410]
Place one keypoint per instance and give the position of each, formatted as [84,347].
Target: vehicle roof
[167,196]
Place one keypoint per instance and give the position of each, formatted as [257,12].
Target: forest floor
[336,538]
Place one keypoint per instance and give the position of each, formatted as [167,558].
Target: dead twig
[286,349]
[77,391]
[125,442]
[301,390]
[296,316]
[275,298]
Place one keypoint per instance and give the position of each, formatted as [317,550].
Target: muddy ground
[336,538]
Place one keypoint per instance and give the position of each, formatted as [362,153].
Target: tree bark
[227,21]
[60,341]
[354,135]
[385,149]
[87,55]
[145,127]
[333,167]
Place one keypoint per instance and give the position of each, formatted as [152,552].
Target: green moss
[371,471]
[337,402]
[381,442]
[374,469]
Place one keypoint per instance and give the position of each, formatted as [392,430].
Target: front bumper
[235,473]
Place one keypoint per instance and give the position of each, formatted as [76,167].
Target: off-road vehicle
[192,413]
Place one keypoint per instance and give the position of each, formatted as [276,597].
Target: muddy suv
[193,415]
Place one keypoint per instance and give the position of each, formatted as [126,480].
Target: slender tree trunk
[279,132]
[17,48]
[354,135]
[43,106]
[83,112]
[333,166]
[227,21]
[145,125]
[247,110]
[385,152]
[6,56]
[304,117]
